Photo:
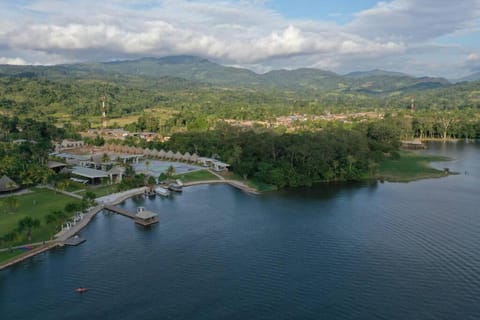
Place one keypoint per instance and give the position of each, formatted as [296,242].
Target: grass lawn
[410,167]
[74,186]
[196,176]
[101,191]
[7,255]
[37,204]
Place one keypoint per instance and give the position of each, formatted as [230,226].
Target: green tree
[27,224]
[9,238]
[170,171]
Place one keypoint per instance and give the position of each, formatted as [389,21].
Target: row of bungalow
[170,155]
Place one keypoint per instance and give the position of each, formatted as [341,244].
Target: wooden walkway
[119,210]
[29,254]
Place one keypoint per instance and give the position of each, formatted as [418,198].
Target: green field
[196,176]
[37,204]
[101,191]
[7,255]
[410,167]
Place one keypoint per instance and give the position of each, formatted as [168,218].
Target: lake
[336,251]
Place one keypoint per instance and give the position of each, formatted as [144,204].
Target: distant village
[296,119]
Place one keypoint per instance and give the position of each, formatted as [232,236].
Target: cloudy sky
[419,37]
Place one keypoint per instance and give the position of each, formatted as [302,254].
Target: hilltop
[199,70]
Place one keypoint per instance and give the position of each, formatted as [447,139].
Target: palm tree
[9,238]
[105,157]
[50,218]
[170,171]
[147,165]
[28,224]
[59,216]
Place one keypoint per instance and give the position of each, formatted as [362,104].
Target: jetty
[142,216]
[120,211]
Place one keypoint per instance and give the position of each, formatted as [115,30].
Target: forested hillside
[192,93]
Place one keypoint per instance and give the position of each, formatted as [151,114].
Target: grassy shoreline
[410,167]
[36,204]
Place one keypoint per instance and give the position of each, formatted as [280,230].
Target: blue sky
[341,11]
[419,37]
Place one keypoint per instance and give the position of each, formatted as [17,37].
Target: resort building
[88,175]
[69,144]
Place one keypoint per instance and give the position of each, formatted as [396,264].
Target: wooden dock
[119,210]
[74,241]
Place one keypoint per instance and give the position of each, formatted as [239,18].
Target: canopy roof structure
[55,164]
[145,214]
[89,173]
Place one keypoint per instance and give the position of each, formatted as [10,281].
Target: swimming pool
[156,167]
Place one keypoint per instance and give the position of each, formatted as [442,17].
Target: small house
[145,217]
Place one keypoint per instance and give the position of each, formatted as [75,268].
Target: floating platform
[145,217]
[413,144]
[74,241]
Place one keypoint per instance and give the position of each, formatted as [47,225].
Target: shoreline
[234,183]
[111,199]
[62,236]
[116,198]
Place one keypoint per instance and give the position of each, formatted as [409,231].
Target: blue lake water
[338,251]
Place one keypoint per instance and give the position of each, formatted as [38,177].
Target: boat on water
[162,191]
[175,187]
[81,290]
[150,193]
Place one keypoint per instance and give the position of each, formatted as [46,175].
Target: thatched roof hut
[194,157]
[178,156]
[169,154]
[147,152]
[186,156]
[7,184]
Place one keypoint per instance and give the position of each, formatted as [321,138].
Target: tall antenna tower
[412,104]
[104,113]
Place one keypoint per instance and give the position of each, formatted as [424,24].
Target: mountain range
[201,71]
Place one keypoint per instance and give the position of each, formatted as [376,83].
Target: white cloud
[238,32]
[473,62]
[416,20]
[14,61]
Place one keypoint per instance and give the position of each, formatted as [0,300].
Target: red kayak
[81,290]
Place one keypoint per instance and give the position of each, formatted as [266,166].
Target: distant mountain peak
[375,73]
[473,77]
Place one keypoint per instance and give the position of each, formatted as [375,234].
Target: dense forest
[24,149]
[303,158]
